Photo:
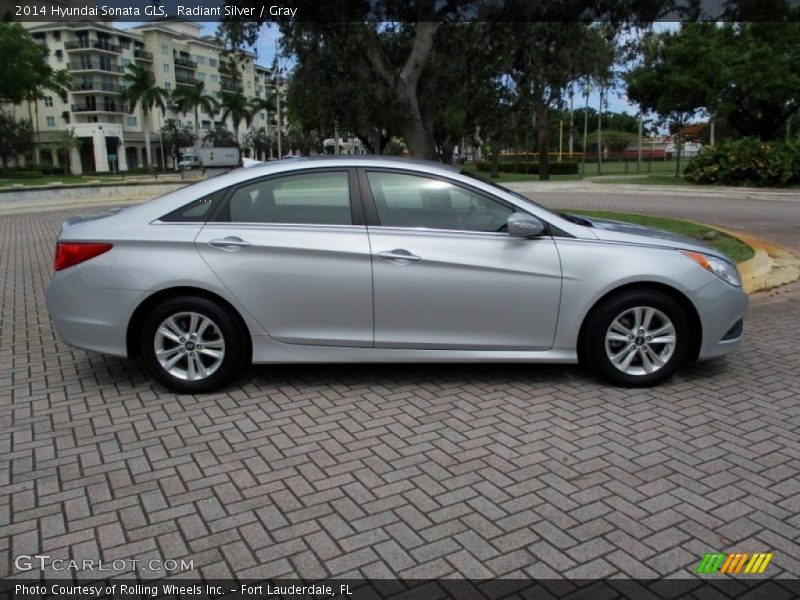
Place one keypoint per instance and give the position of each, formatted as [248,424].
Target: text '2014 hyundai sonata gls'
[379,260]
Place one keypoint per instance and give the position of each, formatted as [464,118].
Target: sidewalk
[591,186]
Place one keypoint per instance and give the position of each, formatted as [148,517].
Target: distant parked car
[370,259]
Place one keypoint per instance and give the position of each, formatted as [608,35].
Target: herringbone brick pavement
[381,471]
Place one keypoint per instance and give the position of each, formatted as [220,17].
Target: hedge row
[28,172]
[747,161]
[556,168]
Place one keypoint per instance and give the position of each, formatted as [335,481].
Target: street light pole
[585,130]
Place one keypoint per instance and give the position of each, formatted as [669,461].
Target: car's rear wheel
[637,338]
[192,344]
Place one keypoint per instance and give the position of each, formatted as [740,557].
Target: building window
[249,84]
[48,101]
[201,60]
[57,36]
[263,117]
[125,62]
[166,69]
[59,55]
[164,50]
[130,121]
[168,86]
[214,78]
[125,43]
[212,62]
[201,76]
[206,124]
[51,121]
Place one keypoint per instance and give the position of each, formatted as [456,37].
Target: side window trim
[371,211]
[356,197]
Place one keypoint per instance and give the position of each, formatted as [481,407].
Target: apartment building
[97,55]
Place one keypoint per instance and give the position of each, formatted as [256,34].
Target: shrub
[507,166]
[747,161]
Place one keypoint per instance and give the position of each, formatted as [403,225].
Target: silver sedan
[380,260]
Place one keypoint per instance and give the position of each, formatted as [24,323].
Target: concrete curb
[771,266]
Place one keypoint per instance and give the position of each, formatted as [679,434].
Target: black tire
[596,352]
[224,328]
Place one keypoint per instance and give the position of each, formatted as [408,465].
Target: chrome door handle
[399,255]
[231,240]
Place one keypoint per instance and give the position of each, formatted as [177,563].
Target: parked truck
[204,158]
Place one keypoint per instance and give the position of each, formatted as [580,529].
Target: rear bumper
[721,308]
[90,318]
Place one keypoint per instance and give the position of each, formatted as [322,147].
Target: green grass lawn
[737,250]
[661,172]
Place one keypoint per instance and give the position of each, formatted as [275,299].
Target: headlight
[720,267]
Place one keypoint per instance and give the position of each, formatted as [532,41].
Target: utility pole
[571,119]
[600,135]
[560,137]
[585,129]
[280,123]
[639,161]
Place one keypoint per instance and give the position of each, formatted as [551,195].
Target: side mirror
[524,225]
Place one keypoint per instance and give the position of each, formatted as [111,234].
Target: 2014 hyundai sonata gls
[378,260]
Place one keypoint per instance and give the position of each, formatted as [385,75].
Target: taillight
[69,254]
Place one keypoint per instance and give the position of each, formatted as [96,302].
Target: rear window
[197,211]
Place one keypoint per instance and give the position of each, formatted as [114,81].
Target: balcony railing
[228,85]
[103,108]
[184,80]
[95,65]
[142,54]
[93,45]
[91,86]
[180,61]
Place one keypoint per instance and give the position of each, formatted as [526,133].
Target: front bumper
[721,308]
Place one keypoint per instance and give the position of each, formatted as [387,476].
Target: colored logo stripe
[711,562]
[758,564]
[732,564]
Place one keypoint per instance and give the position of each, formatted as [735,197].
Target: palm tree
[193,98]
[141,89]
[236,106]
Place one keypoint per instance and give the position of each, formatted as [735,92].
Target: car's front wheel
[192,344]
[637,338]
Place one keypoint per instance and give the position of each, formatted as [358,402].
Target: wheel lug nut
[183,340]
[191,354]
[630,337]
[183,350]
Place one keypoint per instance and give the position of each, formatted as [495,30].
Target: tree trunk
[678,155]
[418,138]
[146,127]
[711,122]
[542,142]
[495,161]
[196,127]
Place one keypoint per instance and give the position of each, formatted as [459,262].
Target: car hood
[631,233]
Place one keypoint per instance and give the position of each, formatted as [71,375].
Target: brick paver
[408,470]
